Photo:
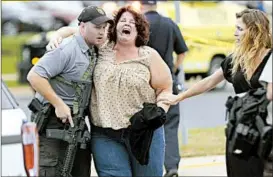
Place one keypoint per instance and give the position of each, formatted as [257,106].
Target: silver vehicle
[11,148]
[18,17]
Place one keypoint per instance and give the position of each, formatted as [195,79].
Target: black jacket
[143,125]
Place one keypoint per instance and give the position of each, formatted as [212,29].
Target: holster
[229,130]
[265,130]
[241,135]
[230,116]
[177,86]
[265,143]
[243,141]
[41,114]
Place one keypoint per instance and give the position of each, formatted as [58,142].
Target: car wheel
[214,66]
[10,28]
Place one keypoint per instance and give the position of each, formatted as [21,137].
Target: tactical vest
[76,85]
[248,134]
[83,88]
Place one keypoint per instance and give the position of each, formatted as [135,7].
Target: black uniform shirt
[239,81]
[165,37]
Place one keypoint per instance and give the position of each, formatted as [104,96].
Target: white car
[12,150]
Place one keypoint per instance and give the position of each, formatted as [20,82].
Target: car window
[7,99]
[6,104]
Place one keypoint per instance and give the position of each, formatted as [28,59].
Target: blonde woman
[242,69]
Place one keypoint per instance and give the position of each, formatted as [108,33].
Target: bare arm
[204,85]
[66,31]
[179,61]
[60,34]
[180,47]
[48,67]
[161,79]
[42,86]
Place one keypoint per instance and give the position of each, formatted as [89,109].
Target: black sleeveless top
[239,82]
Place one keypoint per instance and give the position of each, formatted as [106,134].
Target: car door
[11,148]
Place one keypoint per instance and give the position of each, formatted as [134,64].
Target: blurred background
[207,27]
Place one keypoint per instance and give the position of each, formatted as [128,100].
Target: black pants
[237,167]
[52,152]
[172,156]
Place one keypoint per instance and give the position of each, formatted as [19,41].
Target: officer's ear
[81,27]
[81,24]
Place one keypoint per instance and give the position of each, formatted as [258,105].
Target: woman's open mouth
[126,31]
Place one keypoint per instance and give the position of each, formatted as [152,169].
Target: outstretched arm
[200,87]
[59,35]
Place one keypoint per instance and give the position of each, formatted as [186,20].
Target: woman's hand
[54,42]
[168,99]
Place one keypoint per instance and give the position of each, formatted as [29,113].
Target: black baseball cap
[148,2]
[95,15]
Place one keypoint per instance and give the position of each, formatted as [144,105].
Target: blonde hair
[256,38]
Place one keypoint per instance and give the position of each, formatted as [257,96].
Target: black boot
[171,173]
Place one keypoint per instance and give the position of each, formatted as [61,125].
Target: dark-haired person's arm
[180,47]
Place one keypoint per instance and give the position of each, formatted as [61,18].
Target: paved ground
[197,166]
[21,91]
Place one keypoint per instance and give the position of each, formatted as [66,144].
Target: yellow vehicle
[208,29]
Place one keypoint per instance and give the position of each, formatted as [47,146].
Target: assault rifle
[79,134]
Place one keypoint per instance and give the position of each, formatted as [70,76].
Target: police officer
[73,60]
[166,38]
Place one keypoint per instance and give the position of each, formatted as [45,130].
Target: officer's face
[240,30]
[93,34]
[126,28]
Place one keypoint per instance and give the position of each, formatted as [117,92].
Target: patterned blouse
[120,89]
